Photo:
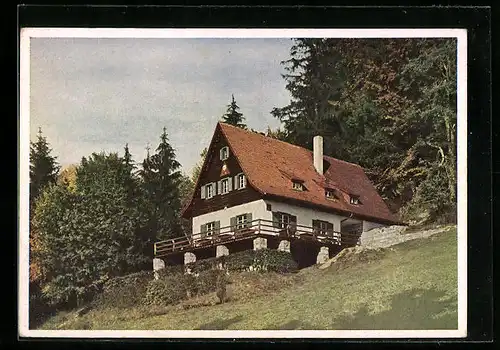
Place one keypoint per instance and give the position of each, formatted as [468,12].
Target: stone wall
[387,236]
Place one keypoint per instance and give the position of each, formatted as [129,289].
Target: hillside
[412,285]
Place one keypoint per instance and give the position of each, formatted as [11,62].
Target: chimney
[318,153]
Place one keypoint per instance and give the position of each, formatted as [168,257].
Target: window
[354,200]
[298,186]
[240,221]
[210,191]
[210,228]
[224,186]
[224,153]
[284,220]
[241,181]
[268,207]
[330,194]
[322,227]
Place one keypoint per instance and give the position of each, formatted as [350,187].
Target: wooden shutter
[229,184]
[203,230]
[248,219]
[276,219]
[219,187]
[236,182]
[203,191]
[232,222]
[293,223]
[217,227]
[244,181]
[221,151]
[316,226]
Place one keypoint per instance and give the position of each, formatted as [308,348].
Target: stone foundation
[158,264]
[284,246]
[189,258]
[259,243]
[221,250]
[323,255]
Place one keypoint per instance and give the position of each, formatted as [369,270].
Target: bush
[274,261]
[240,261]
[167,290]
[125,291]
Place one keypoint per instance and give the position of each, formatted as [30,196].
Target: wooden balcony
[255,228]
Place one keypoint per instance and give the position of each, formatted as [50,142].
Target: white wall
[368,225]
[257,208]
[305,216]
[259,211]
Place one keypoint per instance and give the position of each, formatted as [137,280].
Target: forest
[388,105]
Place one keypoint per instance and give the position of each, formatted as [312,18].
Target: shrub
[125,291]
[167,290]
[240,261]
[274,261]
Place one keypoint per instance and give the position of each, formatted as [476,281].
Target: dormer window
[297,185]
[331,194]
[224,153]
[354,200]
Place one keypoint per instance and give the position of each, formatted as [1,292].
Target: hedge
[124,291]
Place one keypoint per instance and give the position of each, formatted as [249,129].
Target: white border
[28,33]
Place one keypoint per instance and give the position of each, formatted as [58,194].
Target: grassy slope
[410,286]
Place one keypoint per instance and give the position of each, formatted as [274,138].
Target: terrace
[253,229]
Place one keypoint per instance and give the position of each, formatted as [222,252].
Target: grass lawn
[409,286]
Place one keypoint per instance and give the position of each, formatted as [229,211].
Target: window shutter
[293,223]
[203,191]
[315,225]
[330,228]
[219,187]
[217,227]
[276,219]
[248,220]
[229,184]
[236,184]
[203,230]
[232,222]
[221,151]
[214,188]
[244,181]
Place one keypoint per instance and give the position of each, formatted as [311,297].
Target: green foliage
[387,104]
[271,260]
[43,166]
[232,116]
[89,235]
[165,291]
[125,291]
[161,180]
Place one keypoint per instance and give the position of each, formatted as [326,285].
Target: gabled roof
[271,164]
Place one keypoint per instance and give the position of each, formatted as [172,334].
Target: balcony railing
[253,228]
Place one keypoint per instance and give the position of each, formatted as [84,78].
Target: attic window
[331,194]
[297,185]
[224,153]
[354,199]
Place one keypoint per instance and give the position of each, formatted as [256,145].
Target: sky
[94,94]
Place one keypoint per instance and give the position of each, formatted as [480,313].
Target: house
[260,192]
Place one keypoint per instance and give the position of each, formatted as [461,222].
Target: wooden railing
[244,231]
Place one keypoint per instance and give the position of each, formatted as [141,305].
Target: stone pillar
[189,258]
[259,243]
[221,250]
[284,246]
[323,255]
[158,264]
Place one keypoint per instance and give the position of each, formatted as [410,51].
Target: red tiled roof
[270,164]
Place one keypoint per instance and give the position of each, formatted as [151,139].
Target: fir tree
[161,179]
[232,115]
[43,166]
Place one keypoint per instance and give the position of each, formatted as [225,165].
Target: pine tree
[232,115]
[161,179]
[43,166]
